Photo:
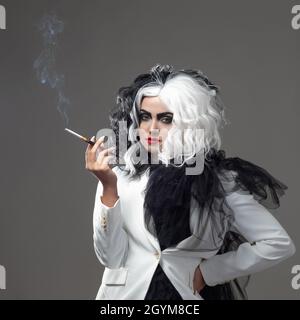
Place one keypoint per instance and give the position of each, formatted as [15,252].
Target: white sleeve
[268,243]
[110,239]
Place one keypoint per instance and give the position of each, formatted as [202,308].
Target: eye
[166,120]
[144,117]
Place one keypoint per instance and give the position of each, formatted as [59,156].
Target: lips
[152,140]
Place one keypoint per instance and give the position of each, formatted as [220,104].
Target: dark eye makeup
[165,117]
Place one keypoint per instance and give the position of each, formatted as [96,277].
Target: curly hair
[194,100]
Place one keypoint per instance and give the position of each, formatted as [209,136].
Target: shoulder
[227,179]
[242,176]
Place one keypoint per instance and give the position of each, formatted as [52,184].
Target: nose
[154,128]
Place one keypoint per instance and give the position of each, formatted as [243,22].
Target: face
[155,122]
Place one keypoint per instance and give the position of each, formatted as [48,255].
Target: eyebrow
[159,115]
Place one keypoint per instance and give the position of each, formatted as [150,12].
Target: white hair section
[194,114]
[196,120]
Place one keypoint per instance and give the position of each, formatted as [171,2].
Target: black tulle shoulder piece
[169,194]
[253,178]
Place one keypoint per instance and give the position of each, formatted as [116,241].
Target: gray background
[247,47]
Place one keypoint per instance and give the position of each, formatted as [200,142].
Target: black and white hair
[196,106]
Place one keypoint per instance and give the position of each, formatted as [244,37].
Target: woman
[179,220]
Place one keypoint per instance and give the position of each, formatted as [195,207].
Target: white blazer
[130,253]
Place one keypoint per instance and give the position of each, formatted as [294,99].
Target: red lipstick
[153,140]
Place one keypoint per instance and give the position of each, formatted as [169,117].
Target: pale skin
[100,168]
[154,117]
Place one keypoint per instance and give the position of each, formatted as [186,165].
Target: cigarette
[80,136]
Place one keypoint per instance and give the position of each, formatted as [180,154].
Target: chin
[152,150]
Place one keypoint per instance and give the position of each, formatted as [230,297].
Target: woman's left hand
[198,281]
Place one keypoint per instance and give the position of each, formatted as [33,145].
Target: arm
[271,245]
[110,239]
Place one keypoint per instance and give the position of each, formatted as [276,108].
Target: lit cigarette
[80,136]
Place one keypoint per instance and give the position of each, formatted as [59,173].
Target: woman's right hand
[98,165]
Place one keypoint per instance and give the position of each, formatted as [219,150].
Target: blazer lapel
[152,239]
[190,246]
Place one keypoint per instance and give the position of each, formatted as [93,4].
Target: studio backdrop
[61,65]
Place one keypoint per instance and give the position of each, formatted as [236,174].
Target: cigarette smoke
[45,65]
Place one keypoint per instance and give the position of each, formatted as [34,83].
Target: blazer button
[157,254]
[103,224]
